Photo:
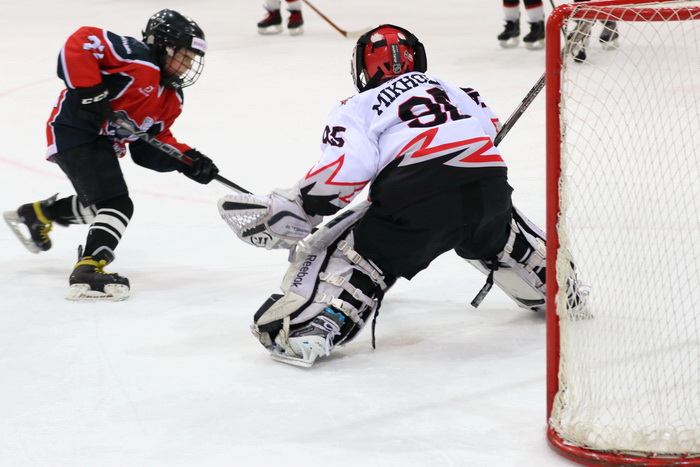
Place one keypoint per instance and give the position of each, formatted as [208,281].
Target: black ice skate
[271,24]
[311,340]
[609,35]
[510,35]
[32,217]
[296,23]
[578,39]
[534,40]
[89,281]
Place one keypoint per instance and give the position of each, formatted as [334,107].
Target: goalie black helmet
[179,45]
[385,52]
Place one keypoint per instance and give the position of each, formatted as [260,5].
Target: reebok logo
[303,270]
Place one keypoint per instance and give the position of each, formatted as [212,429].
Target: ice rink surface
[173,376]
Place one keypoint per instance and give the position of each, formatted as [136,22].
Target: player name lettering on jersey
[390,93]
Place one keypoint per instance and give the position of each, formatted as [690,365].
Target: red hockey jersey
[131,73]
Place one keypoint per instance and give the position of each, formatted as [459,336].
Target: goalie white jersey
[449,131]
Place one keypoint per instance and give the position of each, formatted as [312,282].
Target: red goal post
[623,221]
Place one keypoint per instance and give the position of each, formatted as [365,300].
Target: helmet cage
[376,59]
[169,32]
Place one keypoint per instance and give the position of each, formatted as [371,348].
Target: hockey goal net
[623,222]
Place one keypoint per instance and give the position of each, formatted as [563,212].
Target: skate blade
[270,30]
[83,293]
[14,222]
[510,43]
[296,31]
[537,45]
[289,360]
[301,351]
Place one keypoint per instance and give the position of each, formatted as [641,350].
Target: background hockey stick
[348,34]
[166,148]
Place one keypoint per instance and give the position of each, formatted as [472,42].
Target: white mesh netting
[629,377]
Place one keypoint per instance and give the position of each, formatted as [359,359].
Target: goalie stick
[167,149]
[348,34]
[520,110]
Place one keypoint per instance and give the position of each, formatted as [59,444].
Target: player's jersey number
[424,112]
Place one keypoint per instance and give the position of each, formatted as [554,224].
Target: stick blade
[356,34]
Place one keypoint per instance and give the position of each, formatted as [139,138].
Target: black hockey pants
[473,220]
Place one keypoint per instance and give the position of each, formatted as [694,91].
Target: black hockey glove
[94,104]
[203,170]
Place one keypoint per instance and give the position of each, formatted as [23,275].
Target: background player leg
[510,37]
[97,178]
[272,22]
[534,40]
[88,279]
[295,24]
[609,36]
[37,220]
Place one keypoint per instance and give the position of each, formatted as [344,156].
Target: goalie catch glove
[273,221]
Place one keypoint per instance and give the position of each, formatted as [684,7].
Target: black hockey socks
[69,210]
[110,222]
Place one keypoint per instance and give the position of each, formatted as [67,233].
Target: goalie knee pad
[518,270]
[329,293]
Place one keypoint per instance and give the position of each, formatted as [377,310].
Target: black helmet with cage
[179,45]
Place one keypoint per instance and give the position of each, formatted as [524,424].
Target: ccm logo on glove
[97,98]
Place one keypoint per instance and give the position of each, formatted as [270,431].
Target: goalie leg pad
[519,270]
[327,281]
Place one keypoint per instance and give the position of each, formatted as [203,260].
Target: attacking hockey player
[143,81]
[424,147]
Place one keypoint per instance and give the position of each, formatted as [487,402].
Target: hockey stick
[348,34]
[167,149]
[577,40]
[520,110]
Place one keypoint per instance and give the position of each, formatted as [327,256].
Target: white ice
[172,376]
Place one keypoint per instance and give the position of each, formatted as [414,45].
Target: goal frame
[554,142]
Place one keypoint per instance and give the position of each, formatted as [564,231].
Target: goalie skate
[304,345]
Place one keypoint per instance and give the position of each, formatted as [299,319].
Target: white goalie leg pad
[320,273]
[519,270]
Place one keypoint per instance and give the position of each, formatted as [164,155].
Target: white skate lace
[329,328]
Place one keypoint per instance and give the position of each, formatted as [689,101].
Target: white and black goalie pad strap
[273,221]
[519,270]
[320,271]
